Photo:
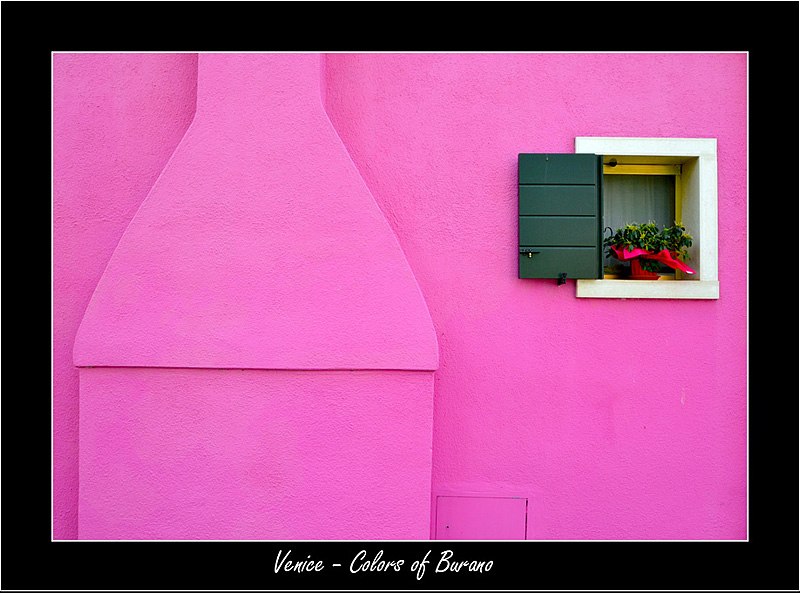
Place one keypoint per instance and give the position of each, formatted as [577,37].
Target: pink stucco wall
[258,249]
[249,454]
[615,418]
[117,118]
[259,246]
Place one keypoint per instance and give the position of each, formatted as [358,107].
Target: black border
[767,561]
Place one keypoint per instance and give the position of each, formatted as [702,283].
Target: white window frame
[698,158]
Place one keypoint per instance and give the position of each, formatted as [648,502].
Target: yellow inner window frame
[629,165]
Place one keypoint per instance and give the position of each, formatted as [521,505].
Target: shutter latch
[528,251]
[562,278]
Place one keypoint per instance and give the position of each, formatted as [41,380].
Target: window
[639,192]
[677,178]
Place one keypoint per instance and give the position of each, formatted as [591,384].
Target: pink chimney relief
[257,343]
[313,327]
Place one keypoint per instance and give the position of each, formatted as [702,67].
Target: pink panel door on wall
[481,517]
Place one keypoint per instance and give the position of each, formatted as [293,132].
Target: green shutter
[560,216]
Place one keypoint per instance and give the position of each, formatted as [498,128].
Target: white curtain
[637,198]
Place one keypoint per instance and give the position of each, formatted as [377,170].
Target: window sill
[647,289]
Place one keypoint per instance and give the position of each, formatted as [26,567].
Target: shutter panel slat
[558,200]
[560,215]
[549,262]
[568,231]
[558,169]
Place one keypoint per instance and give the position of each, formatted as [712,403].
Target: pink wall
[259,246]
[618,418]
[531,395]
[117,118]
[258,249]
[250,454]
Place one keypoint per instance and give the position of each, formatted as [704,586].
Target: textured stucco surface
[618,418]
[117,118]
[251,454]
[259,245]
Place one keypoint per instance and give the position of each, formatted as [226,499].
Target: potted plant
[647,247]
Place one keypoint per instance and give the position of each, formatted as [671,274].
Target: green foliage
[648,237]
